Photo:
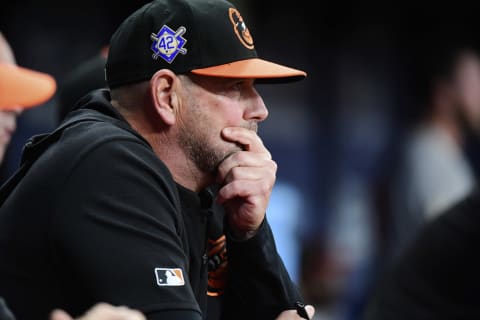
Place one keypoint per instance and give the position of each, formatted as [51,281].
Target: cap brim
[262,70]
[24,88]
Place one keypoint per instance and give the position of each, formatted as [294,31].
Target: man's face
[210,105]
[7,127]
[467,87]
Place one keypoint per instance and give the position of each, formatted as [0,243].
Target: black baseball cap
[204,37]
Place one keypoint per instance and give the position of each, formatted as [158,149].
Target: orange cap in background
[24,88]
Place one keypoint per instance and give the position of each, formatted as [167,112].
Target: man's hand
[293,315]
[101,311]
[247,178]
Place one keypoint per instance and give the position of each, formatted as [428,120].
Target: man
[164,174]
[434,170]
[22,88]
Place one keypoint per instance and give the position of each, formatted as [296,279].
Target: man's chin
[234,149]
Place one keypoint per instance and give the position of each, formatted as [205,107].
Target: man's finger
[240,189]
[243,160]
[247,138]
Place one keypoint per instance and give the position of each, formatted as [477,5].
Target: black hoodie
[93,215]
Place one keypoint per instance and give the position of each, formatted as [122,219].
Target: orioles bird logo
[240,28]
[217,266]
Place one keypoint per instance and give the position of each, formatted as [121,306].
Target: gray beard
[194,140]
[204,156]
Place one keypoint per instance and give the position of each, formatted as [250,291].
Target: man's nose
[257,109]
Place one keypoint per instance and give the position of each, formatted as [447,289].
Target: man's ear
[162,90]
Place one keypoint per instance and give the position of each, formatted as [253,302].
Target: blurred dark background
[334,135]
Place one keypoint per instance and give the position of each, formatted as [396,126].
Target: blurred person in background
[433,170]
[431,270]
[437,275]
[83,78]
[22,88]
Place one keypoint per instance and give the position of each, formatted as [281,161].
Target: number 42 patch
[168,43]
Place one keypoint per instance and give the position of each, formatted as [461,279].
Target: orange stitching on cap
[240,28]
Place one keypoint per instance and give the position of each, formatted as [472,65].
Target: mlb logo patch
[169,277]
